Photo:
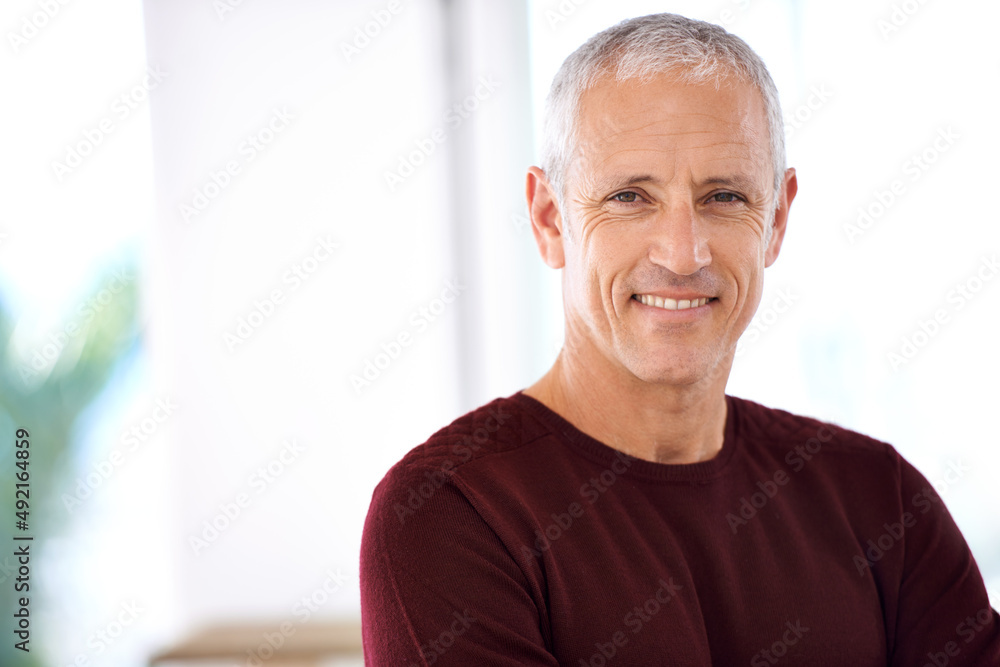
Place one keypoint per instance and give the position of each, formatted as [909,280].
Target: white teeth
[671,304]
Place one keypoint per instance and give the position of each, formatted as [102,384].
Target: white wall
[400,242]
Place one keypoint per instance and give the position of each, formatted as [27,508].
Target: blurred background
[253,252]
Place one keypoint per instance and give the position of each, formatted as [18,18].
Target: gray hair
[640,48]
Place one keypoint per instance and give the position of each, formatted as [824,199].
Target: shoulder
[502,425]
[428,471]
[759,422]
[866,478]
[800,440]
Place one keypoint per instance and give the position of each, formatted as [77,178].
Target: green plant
[47,400]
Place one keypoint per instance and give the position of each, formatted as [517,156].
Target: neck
[654,422]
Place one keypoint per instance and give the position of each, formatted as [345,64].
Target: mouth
[667,303]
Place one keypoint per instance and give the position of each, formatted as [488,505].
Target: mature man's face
[668,197]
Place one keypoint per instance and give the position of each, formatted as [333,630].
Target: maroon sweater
[512,538]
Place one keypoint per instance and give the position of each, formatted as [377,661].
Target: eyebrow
[616,181]
[735,181]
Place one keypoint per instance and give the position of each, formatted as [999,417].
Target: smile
[670,304]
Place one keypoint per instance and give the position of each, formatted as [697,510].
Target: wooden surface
[311,641]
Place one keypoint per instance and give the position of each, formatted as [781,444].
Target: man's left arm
[943,614]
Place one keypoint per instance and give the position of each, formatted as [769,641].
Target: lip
[676,295]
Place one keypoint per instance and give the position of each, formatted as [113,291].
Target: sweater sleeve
[437,584]
[943,612]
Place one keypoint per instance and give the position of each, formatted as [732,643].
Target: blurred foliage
[44,391]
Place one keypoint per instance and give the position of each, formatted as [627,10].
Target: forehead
[646,124]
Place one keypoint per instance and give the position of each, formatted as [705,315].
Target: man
[624,508]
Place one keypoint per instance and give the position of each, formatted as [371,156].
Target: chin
[673,366]
[674,371]
[668,378]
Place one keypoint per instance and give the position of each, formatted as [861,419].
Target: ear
[546,220]
[788,189]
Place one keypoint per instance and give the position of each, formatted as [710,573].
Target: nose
[678,241]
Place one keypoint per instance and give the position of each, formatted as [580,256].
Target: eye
[626,197]
[725,198]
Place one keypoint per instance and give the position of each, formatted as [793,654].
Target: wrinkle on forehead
[642,99]
[623,122]
[677,130]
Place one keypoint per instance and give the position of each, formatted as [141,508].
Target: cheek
[741,256]
[749,278]
[593,267]
[579,278]
[611,254]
